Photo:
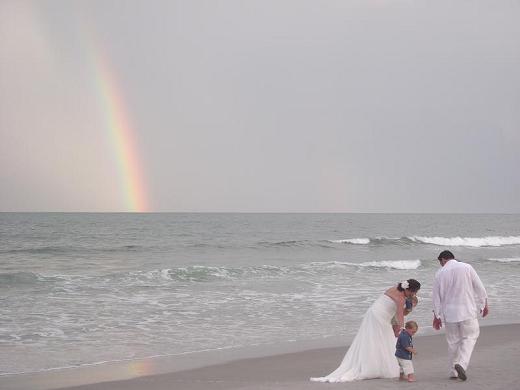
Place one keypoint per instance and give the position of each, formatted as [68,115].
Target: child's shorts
[406,366]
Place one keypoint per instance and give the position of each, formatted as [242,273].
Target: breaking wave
[477,242]
[506,259]
[198,274]
[356,241]
[395,264]
[375,241]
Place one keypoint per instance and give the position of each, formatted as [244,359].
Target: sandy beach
[494,366]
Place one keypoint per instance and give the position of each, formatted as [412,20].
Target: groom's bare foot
[411,378]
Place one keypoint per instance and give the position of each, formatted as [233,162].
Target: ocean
[80,288]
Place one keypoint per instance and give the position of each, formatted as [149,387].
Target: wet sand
[494,366]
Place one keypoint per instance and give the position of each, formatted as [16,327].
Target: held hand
[485,311]
[437,323]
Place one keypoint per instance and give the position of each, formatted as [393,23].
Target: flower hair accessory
[405,284]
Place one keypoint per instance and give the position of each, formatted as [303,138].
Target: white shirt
[458,293]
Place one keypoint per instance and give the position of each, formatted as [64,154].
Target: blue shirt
[403,341]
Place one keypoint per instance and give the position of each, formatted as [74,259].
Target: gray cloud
[378,106]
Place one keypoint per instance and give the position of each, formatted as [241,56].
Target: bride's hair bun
[410,284]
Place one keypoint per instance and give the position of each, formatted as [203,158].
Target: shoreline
[237,352]
[274,367]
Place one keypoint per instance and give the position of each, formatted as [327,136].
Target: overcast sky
[265,105]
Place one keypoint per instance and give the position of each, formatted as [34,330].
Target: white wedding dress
[371,354]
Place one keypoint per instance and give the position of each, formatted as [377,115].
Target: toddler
[404,350]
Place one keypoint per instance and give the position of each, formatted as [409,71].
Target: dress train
[371,354]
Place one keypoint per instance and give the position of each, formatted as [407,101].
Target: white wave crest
[395,264]
[468,241]
[358,241]
[191,273]
[507,259]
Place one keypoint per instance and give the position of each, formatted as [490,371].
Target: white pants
[405,366]
[461,338]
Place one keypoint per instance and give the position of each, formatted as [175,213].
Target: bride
[371,354]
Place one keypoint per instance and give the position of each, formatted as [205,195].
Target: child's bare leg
[411,378]
[402,376]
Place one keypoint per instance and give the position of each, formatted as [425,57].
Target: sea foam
[358,241]
[476,242]
[468,241]
[506,259]
[395,264]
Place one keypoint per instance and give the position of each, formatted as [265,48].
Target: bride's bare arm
[399,303]
[399,314]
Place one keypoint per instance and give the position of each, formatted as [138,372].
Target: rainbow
[121,133]
[141,368]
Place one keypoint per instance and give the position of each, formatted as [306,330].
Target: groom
[458,296]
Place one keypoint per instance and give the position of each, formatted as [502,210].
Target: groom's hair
[445,255]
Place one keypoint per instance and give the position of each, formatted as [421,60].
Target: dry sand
[494,365]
